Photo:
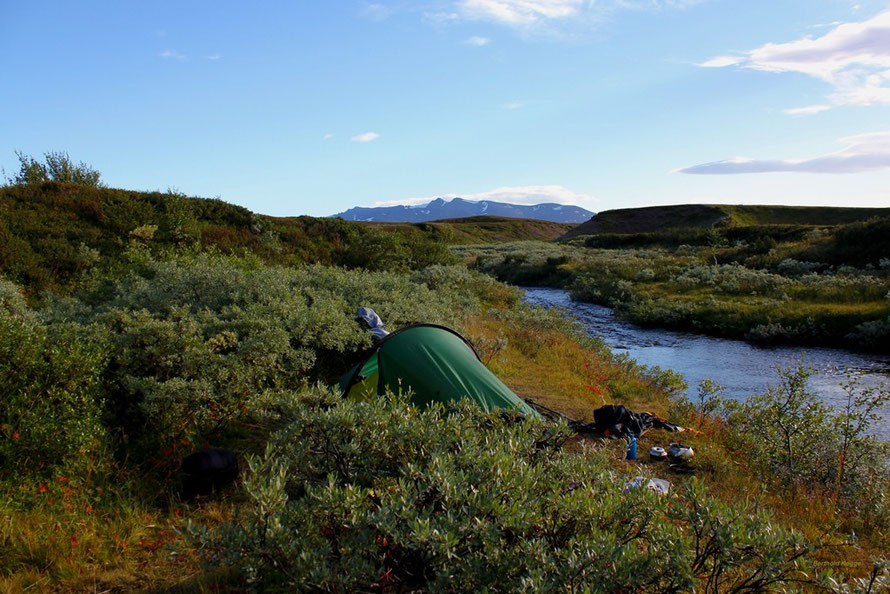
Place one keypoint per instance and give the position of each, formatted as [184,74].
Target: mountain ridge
[455,208]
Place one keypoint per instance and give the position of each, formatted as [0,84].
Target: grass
[75,542]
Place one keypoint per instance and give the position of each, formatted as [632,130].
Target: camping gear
[208,471]
[375,325]
[679,452]
[660,486]
[436,364]
[632,447]
[616,420]
[657,453]
[681,468]
[555,415]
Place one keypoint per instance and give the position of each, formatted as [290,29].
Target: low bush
[798,444]
[57,166]
[363,496]
[187,350]
[50,392]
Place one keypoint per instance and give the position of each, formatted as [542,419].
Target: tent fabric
[437,364]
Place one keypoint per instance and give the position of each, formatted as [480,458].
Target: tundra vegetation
[796,284]
[155,348]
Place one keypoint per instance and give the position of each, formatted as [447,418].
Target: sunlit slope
[483,229]
[52,233]
[657,218]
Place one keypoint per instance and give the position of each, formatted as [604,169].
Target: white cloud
[441,18]
[519,12]
[376,12]
[529,14]
[214,57]
[864,152]
[854,58]
[477,41]
[721,61]
[171,54]
[512,195]
[807,110]
[514,105]
[366,137]
[328,136]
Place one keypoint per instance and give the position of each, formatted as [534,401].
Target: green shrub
[199,342]
[798,443]
[360,496]
[50,390]
[57,167]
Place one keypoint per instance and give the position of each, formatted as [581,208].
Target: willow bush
[185,351]
[50,389]
[358,496]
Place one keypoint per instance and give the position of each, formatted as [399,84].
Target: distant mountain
[457,208]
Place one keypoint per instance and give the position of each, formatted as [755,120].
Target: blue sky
[311,107]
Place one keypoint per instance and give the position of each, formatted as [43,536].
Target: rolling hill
[477,230]
[659,218]
[51,232]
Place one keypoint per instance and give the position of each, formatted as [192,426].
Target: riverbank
[758,294]
[743,369]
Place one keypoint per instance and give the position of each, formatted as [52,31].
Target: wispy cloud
[721,61]
[854,58]
[864,152]
[213,57]
[327,136]
[366,137]
[807,110]
[528,14]
[477,41]
[375,11]
[519,12]
[554,18]
[172,54]
[514,105]
[512,195]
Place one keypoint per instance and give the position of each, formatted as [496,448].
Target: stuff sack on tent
[435,363]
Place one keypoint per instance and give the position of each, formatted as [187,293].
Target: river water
[742,368]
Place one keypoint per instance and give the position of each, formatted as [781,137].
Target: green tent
[437,364]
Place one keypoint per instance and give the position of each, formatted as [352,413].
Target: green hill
[483,229]
[51,232]
[705,216]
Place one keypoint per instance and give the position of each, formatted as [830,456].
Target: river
[742,368]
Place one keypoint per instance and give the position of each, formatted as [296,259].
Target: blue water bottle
[632,447]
